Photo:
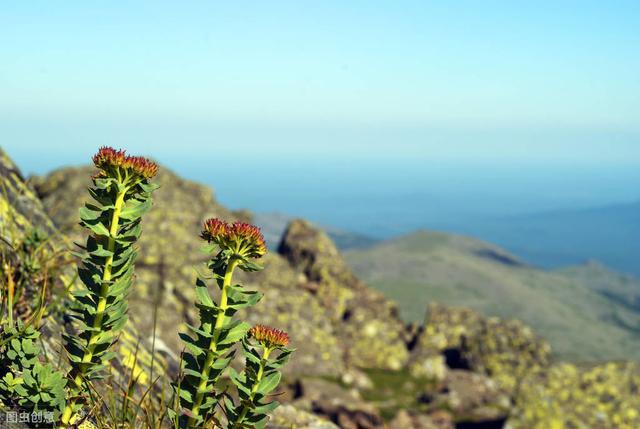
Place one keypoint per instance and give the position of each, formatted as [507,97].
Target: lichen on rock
[603,396]
[289,417]
[506,351]
[366,322]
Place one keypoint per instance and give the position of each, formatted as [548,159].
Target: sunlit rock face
[20,207]
[366,322]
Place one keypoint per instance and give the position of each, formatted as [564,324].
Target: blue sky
[503,82]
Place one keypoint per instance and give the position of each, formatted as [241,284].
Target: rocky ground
[357,364]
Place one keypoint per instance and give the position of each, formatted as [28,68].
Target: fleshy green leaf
[235,334]
[268,383]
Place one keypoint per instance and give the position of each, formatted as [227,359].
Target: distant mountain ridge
[587,312]
[273,226]
[548,239]
[610,234]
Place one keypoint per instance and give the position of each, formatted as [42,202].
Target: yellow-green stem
[102,302]
[213,345]
[11,289]
[254,388]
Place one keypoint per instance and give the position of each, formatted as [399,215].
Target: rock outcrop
[566,396]
[365,321]
[20,208]
[289,417]
[345,407]
[459,338]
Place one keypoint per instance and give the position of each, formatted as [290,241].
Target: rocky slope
[357,364]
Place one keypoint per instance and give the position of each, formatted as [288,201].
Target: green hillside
[581,310]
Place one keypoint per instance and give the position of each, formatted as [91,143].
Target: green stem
[213,345]
[11,289]
[254,388]
[102,303]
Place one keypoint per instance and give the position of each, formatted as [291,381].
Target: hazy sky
[492,80]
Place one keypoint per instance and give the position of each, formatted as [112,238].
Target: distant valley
[587,312]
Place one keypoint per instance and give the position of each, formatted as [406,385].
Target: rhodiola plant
[121,194]
[260,377]
[211,346]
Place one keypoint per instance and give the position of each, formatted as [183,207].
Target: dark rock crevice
[489,424]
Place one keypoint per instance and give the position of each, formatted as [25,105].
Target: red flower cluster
[243,238]
[269,337]
[108,156]
[108,159]
[215,230]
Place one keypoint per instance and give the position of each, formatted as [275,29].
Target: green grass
[395,390]
[566,307]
